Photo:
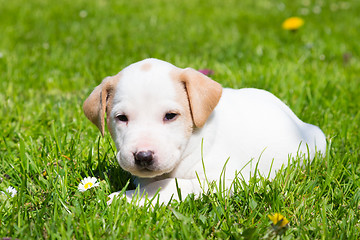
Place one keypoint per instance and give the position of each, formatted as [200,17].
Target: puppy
[170,123]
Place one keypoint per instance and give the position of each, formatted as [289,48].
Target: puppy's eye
[170,116]
[122,118]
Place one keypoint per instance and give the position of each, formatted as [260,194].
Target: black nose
[144,158]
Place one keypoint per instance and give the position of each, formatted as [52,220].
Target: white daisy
[87,183]
[11,191]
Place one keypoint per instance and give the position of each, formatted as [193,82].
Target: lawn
[53,53]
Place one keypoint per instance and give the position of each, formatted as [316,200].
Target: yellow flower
[278,220]
[293,23]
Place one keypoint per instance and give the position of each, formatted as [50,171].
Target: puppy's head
[152,108]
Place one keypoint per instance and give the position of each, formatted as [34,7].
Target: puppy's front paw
[112,197]
[128,195]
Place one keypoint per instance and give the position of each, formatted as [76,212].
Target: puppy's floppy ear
[95,105]
[203,93]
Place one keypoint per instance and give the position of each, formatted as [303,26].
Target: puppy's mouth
[146,172]
[148,169]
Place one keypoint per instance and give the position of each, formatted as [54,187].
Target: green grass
[53,53]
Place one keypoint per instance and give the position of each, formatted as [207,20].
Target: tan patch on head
[146,67]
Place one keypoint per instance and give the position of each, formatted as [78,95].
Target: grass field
[53,53]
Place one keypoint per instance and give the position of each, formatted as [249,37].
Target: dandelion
[293,23]
[10,191]
[278,219]
[87,183]
[279,225]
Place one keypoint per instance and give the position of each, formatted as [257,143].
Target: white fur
[247,126]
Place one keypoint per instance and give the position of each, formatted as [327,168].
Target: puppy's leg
[167,189]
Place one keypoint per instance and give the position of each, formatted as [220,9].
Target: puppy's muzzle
[144,158]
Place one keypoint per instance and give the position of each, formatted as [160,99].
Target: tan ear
[203,93]
[96,104]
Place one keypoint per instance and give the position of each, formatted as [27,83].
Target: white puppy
[158,116]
